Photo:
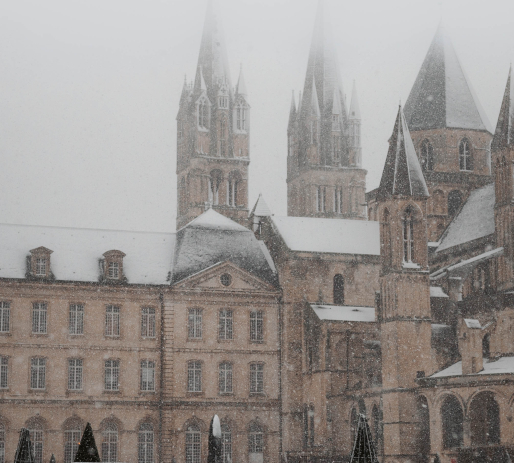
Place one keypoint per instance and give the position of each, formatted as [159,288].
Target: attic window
[113,265]
[39,262]
[226,279]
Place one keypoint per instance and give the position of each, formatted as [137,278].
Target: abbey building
[403,311]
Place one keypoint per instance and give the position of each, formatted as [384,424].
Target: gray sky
[89,92]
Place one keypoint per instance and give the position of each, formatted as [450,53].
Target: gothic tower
[450,131]
[502,149]
[324,173]
[404,307]
[213,128]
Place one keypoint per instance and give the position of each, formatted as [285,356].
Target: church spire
[504,134]
[355,112]
[241,84]
[292,112]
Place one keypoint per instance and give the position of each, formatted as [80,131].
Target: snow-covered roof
[261,209]
[442,95]
[472,323]
[213,238]
[76,252]
[475,220]
[504,365]
[437,291]
[343,313]
[339,236]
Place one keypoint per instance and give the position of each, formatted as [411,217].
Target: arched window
[110,443]
[408,236]
[465,155]
[454,202]
[72,435]
[226,444]
[354,421]
[215,180]
[256,444]
[486,346]
[438,202]
[241,117]
[36,438]
[338,289]
[145,443]
[385,228]
[203,114]
[232,188]
[193,445]
[2,443]
[452,419]
[427,155]
[484,414]
[423,417]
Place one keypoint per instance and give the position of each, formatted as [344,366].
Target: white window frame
[5,316]
[112,375]
[147,380]
[39,317]
[112,321]
[257,326]
[226,444]
[225,376]
[193,445]
[41,266]
[37,441]
[113,270]
[194,376]
[194,323]
[226,325]
[145,444]
[75,374]
[256,378]
[38,373]
[76,321]
[110,443]
[71,443]
[148,322]
[4,372]
[408,238]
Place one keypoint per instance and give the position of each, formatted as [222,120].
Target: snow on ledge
[344,313]
[502,366]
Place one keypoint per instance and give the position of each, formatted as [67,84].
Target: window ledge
[411,265]
[257,394]
[148,338]
[37,391]
[118,392]
[147,392]
[39,335]
[194,339]
[75,391]
[202,129]
[5,333]
[225,394]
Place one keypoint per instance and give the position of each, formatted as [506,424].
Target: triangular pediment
[224,276]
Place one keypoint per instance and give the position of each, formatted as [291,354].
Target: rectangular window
[257,326]
[36,438]
[194,324]
[41,266]
[225,378]
[225,325]
[39,317]
[112,374]
[112,321]
[148,322]
[37,373]
[5,316]
[147,375]
[4,363]
[256,378]
[71,444]
[75,374]
[114,270]
[194,376]
[76,325]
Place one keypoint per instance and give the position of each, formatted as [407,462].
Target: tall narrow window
[225,378]
[112,321]
[37,373]
[223,137]
[75,374]
[5,316]
[147,375]
[4,365]
[256,444]
[484,415]
[423,416]
[465,155]
[452,419]
[241,117]
[335,149]
[226,444]
[2,443]
[193,445]
[214,185]
[256,325]
[232,186]
[110,443]
[408,237]
[145,445]
[320,199]
[311,426]
[194,324]
[194,376]
[427,155]
[114,270]
[39,318]
[203,114]
[338,289]
[112,375]
[76,322]
[71,443]
[36,439]
[225,324]
[41,266]
[256,378]
[148,322]
[338,200]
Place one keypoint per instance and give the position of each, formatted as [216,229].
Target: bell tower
[213,129]
[404,308]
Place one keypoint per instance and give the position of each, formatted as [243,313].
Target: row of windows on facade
[38,376]
[213,189]
[337,203]
[204,116]
[72,435]
[427,160]
[76,319]
[225,325]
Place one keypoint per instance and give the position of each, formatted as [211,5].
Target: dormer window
[113,266]
[38,263]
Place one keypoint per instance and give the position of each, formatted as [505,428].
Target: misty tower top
[504,134]
[324,167]
[213,128]
[442,95]
[402,173]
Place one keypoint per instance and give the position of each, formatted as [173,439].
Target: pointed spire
[314,100]
[241,85]
[355,112]
[402,173]
[336,108]
[363,447]
[292,113]
[185,92]
[87,451]
[442,95]
[504,134]
[299,102]
[203,87]
[212,60]
[261,208]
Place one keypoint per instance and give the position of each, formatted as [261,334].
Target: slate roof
[442,96]
[504,134]
[343,313]
[211,239]
[475,220]
[76,252]
[340,236]
[402,173]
